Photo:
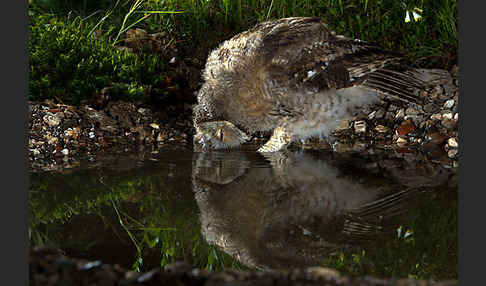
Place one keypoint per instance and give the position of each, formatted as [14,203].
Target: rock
[51,120]
[401,141]
[372,115]
[154,126]
[380,113]
[389,116]
[452,142]
[412,111]
[436,91]
[382,129]
[431,107]
[65,152]
[405,128]
[447,115]
[449,104]
[435,137]
[452,153]
[400,114]
[448,123]
[360,126]
[343,125]
[437,116]
[456,116]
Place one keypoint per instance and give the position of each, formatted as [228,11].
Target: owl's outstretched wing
[303,52]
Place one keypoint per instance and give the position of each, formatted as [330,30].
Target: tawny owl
[294,77]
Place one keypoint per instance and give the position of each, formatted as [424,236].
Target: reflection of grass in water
[429,251]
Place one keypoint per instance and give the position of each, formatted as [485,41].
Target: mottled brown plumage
[294,77]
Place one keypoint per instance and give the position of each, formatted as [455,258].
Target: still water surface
[386,217]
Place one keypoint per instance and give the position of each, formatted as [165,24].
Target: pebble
[405,128]
[360,126]
[401,141]
[154,126]
[400,114]
[452,142]
[435,92]
[411,111]
[51,120]
[456,116]
[448,123]
[65,152]
[437,116]
[343,125]
[449,104]
[380,113]
[447,115]
[372,115]
[435,137]
[429,108]
[452,153]
[382,129]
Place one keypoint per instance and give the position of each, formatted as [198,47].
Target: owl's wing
[303,52]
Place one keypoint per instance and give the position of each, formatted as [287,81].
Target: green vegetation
[147,211]
[68,63]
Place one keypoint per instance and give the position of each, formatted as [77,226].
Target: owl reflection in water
[279,212]
[296,78]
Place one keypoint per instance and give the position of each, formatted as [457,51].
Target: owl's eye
[220,135]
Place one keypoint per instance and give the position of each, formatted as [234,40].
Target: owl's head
[218,135]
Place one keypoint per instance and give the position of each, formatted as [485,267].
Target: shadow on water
[246,210]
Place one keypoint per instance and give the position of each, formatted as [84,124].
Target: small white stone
[449,104]
[51,120]
[360,126]
[452,142]
[447,115]
[310,74]
[400,113]
[91,135]
[456,116]
[372,115]
[65,151]
[401,141]
[154,126]
[173,60]
[382,129]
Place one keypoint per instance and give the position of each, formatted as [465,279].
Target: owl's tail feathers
[370,219]
[410,86]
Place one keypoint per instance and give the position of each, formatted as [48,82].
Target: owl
[294,78]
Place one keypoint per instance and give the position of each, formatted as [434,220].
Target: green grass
[68,63]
